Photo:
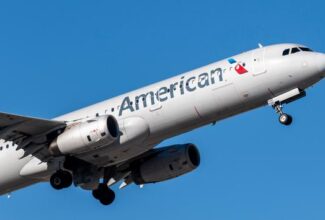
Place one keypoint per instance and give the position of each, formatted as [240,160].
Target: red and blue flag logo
[239,68]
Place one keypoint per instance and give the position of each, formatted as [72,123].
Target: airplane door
[258,57]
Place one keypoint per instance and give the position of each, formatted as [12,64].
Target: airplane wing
[26,131]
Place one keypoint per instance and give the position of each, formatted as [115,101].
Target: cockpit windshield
[293,50]
[286,52]
[306,49]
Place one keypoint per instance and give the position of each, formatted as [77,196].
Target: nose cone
[321,63]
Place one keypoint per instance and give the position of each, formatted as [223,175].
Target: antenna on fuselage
[260,45]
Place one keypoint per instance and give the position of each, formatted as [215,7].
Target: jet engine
[167,163]
[85,136]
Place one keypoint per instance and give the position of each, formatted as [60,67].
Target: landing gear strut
[284,118]
[104,194]
[285,98]
[61,179]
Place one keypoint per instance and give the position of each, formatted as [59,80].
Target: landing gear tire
[285,119]
[108,197]
[61,179]
[105,195]
[96,194]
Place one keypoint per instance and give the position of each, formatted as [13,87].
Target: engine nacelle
[85,136]
[167,163]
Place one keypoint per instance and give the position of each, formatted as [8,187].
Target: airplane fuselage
[186,102]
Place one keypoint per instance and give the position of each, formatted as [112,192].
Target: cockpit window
[286,52]
[306,49]
[295,50]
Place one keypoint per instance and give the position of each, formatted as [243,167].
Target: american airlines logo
[239,67]
[185,85]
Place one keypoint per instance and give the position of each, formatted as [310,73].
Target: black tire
[107,197]
[96,194]
[61,179]
[285,119]
[56,181]
[67,179]
[100,191]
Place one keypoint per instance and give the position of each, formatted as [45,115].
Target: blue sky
[58,56]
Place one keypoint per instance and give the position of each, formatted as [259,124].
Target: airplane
[114,141]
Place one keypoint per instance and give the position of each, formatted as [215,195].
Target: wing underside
[27,132]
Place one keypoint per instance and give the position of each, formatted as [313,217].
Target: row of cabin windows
[295,50]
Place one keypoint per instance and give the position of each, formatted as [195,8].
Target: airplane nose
[321,63]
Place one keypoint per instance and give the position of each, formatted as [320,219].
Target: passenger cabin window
[286,52]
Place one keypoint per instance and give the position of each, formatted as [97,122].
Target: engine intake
[85,136]
[167,163]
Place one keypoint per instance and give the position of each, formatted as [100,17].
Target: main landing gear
[284,118]
[87,179]
[105,195]
[61,179]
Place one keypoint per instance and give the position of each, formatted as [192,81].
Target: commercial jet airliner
[114,141]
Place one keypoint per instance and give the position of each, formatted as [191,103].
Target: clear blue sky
[58,56]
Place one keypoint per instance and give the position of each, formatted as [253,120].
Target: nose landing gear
[285,98]
[284,118]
